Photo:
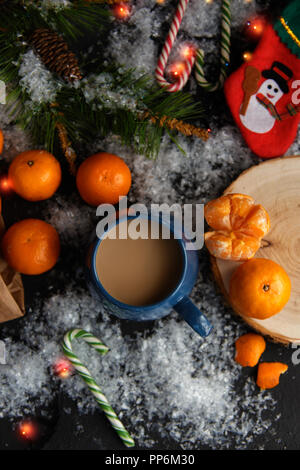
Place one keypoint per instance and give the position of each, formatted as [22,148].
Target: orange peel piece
[238,225]
[268,374]
[249,348]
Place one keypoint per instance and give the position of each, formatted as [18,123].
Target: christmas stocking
[264,93]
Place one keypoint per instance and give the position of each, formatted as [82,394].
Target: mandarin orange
[259,288]
[31,246]
[35,175]
[103,178]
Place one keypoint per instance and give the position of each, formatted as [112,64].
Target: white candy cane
[86,376]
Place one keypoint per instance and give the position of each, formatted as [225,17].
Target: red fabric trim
[281,73]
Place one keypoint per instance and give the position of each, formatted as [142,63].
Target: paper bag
[11,289]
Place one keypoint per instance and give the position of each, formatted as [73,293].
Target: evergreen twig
[180,126]
[111,99]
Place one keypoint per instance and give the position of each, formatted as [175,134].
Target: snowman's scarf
[291,110]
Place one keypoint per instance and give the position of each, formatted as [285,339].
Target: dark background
[60,432]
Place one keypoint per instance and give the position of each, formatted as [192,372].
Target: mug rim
[139,307]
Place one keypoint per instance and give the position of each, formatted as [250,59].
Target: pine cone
[55,54]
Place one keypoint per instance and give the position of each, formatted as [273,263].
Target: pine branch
[108,100]
[72,22]
[10,51]
[109,2]
[120,104]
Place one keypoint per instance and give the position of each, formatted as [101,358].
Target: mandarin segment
[244,247]
[241,205]
[217,213]
[218,245]
[259,288]
[236,246]
[249,349]
[238,223]
[268,374]
[257,223]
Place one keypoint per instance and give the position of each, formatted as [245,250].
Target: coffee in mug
[142,271]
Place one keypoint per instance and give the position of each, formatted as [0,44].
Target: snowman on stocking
[258,110]
[263,94]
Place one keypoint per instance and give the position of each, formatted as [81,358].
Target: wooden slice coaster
[276,185]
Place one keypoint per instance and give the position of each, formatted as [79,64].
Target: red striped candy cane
[164,56]
[198,57]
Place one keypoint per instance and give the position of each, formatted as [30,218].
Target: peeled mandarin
[238,225]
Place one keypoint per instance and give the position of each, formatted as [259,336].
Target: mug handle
[193,316]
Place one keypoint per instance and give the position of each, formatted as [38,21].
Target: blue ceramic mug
[178,299]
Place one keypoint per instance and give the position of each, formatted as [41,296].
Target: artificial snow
[210,402]
[138,42]
[45,5]
[2,353]
[164,381]
[36,80]
[140,374]
[101,90]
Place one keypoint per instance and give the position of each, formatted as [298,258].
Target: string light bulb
[121,11]
[62,368]
[5,185]
[187,51]
[28,430]
[255,27]
[176,70]
[247,56]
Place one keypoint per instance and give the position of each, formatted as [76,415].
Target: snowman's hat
[280,73]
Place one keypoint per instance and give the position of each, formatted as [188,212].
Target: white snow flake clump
[54,4]
[37,80]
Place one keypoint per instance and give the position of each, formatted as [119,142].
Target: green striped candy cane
[225,52]
[86,376]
